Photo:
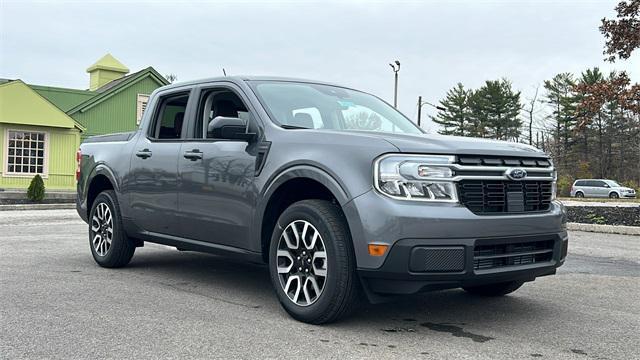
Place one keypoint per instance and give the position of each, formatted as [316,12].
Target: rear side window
[169,117]
[581,183]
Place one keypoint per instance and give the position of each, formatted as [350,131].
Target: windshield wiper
[285,126]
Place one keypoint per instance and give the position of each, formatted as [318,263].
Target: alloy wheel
[302,262]
[102,229]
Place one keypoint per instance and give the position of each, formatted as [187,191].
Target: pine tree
[35,192]
[561,98]
[455,119]
[495,109]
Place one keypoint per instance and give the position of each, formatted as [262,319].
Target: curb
[606,229]
[37,206]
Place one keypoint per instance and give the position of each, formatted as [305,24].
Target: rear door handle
[146,153]
[193,155]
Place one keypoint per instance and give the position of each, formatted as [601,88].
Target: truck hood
[440,144]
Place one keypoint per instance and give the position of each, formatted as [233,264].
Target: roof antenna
[224,72]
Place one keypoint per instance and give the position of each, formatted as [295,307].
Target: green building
[41,127]
[37,138]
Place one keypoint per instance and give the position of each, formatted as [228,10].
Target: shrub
[35,192]
[630,184]
[564,185]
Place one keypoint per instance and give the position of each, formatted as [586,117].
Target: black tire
[121,248]
[498,289]
[341,292]
[614,195]
[579,194]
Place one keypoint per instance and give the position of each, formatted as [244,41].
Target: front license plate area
[515,201]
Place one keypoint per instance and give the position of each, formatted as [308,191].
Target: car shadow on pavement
[249,285]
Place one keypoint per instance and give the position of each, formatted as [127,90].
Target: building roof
[115,86]
[63,98]
[21,105]
[108,62]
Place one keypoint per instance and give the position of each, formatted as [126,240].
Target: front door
[154,167]
[217,193]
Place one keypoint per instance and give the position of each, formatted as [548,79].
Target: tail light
[78,163]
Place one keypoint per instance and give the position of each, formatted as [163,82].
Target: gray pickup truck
[340,194]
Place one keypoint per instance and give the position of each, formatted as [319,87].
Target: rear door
[217,191]
[154,165]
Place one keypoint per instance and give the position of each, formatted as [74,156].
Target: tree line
[589,123]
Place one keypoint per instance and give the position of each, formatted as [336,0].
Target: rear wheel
[498,289]
[614,195]
[109,244]
[312,264]
[579,194]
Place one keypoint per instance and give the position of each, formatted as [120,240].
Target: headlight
[415,177]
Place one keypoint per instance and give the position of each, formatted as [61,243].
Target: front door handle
[145,153]
[193,155]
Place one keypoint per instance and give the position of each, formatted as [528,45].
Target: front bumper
[398,274]
[405,226]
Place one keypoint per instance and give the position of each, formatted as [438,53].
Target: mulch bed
[604,215]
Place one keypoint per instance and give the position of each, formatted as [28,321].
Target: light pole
[422,103]
[396,68]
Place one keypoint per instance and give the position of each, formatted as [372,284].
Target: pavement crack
[578,351]
[456,331]
[189,291]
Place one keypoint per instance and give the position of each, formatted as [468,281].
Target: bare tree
[171,78]
[530,110]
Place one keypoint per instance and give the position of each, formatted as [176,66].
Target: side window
[598,184]
[218,102]
[169,117]
[580,183]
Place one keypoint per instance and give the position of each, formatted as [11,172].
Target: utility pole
[396,69]
[423,103]
[419,109]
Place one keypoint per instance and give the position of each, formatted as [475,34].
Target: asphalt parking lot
[55,302]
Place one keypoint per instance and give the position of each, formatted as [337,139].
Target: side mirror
[607,185]
[228,128]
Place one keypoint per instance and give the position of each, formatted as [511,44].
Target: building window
[25,152]
[141,106]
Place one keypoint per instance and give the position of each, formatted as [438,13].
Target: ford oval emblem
[516,174]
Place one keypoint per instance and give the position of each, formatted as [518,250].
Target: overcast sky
[438,43]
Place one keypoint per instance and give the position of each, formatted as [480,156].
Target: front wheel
[613,195]
[312,264]
[498,289]
[109,244]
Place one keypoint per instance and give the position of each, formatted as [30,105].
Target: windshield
[315,106]
[612,183]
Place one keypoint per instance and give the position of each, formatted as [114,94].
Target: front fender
[338,190]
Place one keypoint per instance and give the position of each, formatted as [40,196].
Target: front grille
[503,161]
[514,254]
[504,196]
